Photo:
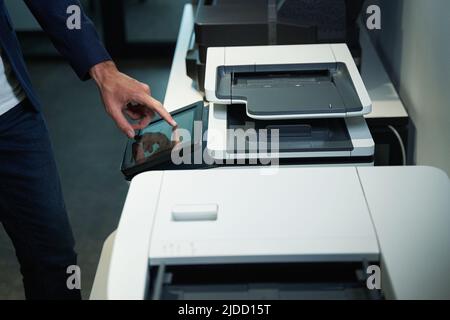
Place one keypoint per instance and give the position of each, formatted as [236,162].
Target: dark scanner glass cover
[298,89]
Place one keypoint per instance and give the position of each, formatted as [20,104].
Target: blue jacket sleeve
[81,47]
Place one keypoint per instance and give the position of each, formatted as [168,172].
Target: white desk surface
[385,100]
[180,91]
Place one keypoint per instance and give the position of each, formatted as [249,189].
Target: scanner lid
[291,82]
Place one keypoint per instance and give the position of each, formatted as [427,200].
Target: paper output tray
[302,135]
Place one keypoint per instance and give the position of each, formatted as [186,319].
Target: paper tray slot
[259,281]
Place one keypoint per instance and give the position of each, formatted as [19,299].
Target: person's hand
[124,95]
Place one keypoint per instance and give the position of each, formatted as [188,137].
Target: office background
[412,43]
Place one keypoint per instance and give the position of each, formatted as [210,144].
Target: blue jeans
[32,208]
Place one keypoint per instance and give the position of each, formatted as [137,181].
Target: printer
[311,95]
[302,233]
[225,236]
[244,232]
[296,104]
[287,104]
[221,23]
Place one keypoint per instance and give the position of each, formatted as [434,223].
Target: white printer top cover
[235,215]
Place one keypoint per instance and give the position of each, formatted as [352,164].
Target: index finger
[157,106]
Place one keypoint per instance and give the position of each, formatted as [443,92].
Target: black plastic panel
[307,135]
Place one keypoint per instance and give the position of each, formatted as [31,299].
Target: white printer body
[312,94]
[292,233]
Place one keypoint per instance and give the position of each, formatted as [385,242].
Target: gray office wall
[415,45]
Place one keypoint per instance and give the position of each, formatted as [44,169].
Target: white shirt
[11,93]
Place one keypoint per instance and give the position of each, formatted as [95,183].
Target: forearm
[81,47]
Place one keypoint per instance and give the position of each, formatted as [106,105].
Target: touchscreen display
[156,139]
